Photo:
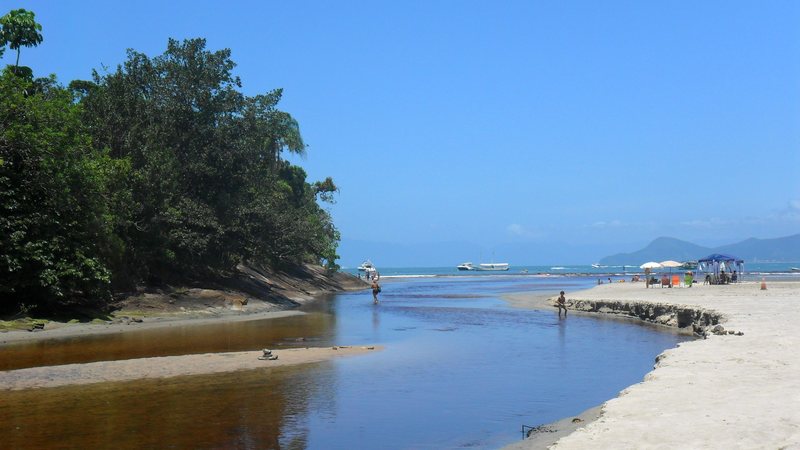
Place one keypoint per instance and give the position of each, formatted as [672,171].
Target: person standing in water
[376,288]
[561,303]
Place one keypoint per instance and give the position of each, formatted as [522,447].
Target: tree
[55,234]
[209,185]
[19,29]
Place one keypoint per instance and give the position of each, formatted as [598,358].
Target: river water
[460,369]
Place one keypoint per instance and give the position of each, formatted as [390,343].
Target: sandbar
[168,366]
[736,388]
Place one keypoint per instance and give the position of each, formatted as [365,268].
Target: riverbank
[735,390]
[253,295]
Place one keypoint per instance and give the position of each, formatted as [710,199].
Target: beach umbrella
[650,265]
[670,263]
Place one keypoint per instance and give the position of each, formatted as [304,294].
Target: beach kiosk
[721,267]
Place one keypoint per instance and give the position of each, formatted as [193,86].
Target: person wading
[376,288]
[561,303]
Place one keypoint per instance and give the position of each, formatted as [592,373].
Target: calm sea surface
[752,271]
[460,369]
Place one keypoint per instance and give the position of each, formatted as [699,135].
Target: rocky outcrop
[251,289]
[701,321]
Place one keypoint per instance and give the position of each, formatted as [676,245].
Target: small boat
[690,265]
[794,269]
[493,266]
[366,265]
[465,266]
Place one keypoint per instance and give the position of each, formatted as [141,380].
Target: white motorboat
[493,266]
[465,266]
[366,265]
[795,269]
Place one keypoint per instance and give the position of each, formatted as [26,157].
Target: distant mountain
[785,249]
[660,249]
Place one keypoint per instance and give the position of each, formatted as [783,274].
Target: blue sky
[528,132]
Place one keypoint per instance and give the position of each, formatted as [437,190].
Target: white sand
[722,392]
[167,366]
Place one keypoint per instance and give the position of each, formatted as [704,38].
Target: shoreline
[727,390]
[263,298]
[61,330]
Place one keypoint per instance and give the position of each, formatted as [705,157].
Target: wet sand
[725,391]
[56,330]
[168,366]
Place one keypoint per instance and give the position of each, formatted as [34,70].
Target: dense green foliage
[54,233]
[159,171]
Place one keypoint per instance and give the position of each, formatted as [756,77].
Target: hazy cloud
[609,224]
[712,222]
[518,230]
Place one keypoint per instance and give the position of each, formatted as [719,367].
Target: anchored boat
[493,266]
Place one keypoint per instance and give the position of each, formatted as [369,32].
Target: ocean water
[752,271]
[460,369]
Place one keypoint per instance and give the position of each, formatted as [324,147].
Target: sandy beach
[739,387]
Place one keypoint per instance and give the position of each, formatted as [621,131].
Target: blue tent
[719,261]
[719,257]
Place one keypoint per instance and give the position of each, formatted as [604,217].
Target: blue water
[752,271]
[463,369]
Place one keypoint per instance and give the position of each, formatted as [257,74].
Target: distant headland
[784,249]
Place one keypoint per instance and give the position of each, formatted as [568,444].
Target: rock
[267,356]
[577,420]
[739,333]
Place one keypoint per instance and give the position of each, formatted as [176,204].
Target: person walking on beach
[376,288]
[561,303]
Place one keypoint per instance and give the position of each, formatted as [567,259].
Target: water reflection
[309,329]
[264,408]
